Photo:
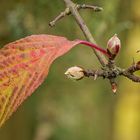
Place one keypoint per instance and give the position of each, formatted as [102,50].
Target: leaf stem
[94,46]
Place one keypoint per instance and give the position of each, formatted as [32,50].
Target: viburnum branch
[73,8]
[77,73]
[87,33]
[107,73]
[109,69]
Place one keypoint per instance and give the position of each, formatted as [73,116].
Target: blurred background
[62,109]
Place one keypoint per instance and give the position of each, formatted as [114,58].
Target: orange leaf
[24,64]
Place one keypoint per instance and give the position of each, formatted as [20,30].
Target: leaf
[25,63]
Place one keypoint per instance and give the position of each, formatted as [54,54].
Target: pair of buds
[113,48]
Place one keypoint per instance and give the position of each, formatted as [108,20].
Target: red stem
[94,46]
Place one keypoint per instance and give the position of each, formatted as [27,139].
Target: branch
[78,73]
[87,34]
[73,8]
[68,12]
[109,69]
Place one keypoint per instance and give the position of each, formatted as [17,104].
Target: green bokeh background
[61,109]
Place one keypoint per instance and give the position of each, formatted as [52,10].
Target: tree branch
[87,34]
[109,69]
[73,8]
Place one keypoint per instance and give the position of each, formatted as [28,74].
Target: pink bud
[113,46]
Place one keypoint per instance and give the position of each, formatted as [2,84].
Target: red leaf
[25,63]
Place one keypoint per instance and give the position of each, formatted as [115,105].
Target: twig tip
[51,24]
[98,9]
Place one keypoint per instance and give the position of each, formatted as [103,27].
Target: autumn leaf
[24,64]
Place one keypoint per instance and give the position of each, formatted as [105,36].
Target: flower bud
[113,46]
[75,73]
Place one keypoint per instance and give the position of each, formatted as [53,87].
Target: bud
[113,46]
[75,73]
[114,87]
